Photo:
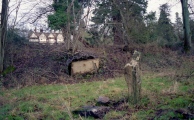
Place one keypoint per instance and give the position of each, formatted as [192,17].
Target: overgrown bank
[40,64]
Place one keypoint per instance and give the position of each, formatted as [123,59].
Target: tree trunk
[186,26]
[3,31]
[124,21]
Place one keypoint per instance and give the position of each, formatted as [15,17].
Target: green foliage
[15,38]
[165,29]
[94,39]
[178,27]
[179,102]
[8,70]
[151,27]
[145,33]
[108,15]
[145,36]
[58,20]
[60,5]
[4,110]
[145,101]
[150,18]
[61,17]
[105,12]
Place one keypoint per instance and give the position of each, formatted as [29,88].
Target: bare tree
[11,11]
[186,26]
[3,31]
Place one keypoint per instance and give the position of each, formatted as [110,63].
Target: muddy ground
[99,111]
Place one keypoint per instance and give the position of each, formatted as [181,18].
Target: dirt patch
[100,110]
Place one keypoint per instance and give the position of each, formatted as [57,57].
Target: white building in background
[33,37]
[41,37]
[51,38]
[60,38]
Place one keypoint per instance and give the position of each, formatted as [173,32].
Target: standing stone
[132,77]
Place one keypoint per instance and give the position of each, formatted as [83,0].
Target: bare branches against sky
[26,13]
[30,13]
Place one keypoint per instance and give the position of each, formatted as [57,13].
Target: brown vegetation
[44,64]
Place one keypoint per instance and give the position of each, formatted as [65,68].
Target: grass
[54,101]
[114,115]
[58,100]
[160,93]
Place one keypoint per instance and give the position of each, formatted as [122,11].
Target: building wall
[42,38]
[60,38]
[34,40]
[51,41]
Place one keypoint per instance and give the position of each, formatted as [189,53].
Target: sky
[28,10]
[175,6]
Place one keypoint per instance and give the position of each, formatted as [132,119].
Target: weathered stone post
[132,77]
